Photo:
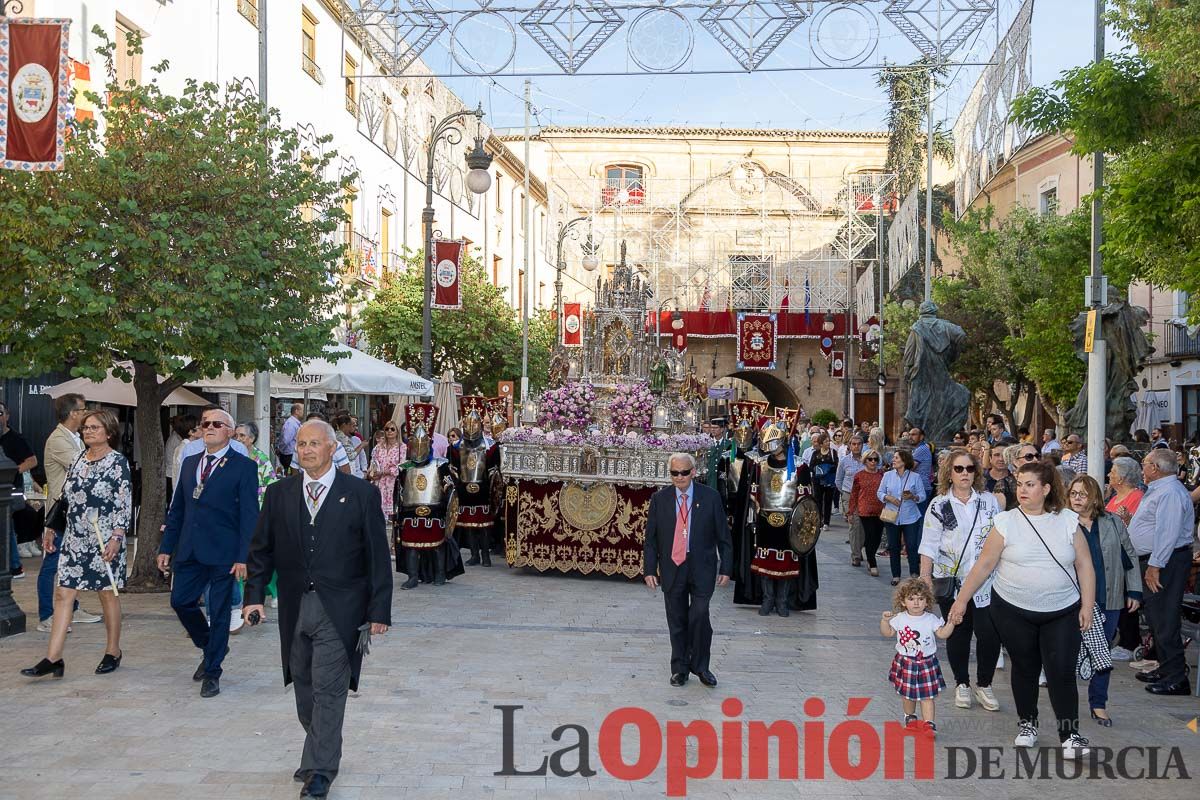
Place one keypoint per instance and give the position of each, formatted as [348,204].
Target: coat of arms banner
[34,93]
[756,343]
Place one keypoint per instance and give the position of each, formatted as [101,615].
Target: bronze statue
[1126,347]
[936,403]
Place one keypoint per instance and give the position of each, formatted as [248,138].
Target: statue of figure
[658,376]
[1126,347]
[936,403]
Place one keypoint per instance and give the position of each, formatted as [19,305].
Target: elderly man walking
[850,465]
[1161,532]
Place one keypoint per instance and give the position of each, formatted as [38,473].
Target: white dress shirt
[224,451]
[327,481]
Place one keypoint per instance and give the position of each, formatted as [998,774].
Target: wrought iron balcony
[1178,343]
[311,69]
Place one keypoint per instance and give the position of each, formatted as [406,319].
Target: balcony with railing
[311,69]
[363,257]
[1178,342]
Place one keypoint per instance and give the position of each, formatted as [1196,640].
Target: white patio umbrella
[447,403]
[115,392]
[355,373]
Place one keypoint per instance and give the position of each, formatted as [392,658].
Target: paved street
[569,649]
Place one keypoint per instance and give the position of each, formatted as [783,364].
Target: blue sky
[815,100]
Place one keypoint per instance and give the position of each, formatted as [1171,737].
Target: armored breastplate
[472,463]
[423,485]
[775,491]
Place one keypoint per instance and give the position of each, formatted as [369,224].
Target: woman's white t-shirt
[915,636]
[1027,576]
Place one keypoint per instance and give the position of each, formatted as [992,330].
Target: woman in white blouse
[1042,595]
[956,525]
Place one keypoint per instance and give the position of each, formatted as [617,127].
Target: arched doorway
[773,389]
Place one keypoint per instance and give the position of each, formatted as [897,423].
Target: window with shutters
[351,72]
[308,46]
[128,65]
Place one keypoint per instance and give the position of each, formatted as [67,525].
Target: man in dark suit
[207,536]
[686,531]
[322,531]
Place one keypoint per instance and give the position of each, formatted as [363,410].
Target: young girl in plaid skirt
[915,671]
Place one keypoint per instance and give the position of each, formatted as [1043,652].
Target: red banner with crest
[447,274]
[572,324]
[35,76]
[756,341]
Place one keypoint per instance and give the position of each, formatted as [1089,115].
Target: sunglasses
[390,429]
[967,468]
[679,473]
[872,458]
[1029,457]
[214,423]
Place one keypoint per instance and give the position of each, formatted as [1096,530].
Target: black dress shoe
[1153,676]
[198,675]
[679,678]
[109,663]
[211,687]
[706,677]
[317,785]
[301,775]
[1181,688]
[45,667]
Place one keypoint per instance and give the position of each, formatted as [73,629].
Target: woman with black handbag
[956,525]
[822,465]
[1043,595]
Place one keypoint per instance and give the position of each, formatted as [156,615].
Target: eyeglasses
[1029,457]
[92,428]
[967,468]
[1075,495]
[679,473]
[214,423]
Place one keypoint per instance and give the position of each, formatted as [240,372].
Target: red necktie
[679,548]
[207,469]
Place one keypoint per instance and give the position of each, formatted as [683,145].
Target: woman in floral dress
[385,464]
[97,487]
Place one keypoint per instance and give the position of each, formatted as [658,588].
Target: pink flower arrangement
[568,406]
[633,408]
[671,443]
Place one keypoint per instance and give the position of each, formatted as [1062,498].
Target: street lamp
[590,262]
[827,322]
[811,371]
[479,180]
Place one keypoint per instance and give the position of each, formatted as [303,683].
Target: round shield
[806,525]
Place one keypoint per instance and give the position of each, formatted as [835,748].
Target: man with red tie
[687,543]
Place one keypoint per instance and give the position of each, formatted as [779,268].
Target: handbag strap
[1051,552]
[967,540]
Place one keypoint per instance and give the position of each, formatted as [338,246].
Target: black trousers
[1129,633]
[191,579]
[824,495]
[1036,641]
[687,622]
[977,621]
[1163,613]
[321,673]
[872,533]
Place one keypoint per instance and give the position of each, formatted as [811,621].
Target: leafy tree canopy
[1141,106]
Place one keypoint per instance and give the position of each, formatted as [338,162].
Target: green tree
[907,90]
[1140,106]
[481,342]
[1028,269]
[177,241]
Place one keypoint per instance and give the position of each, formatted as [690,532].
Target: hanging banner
[572,324]
[838,364]
[34,91]
[447,287]
[827,346]
[756,341]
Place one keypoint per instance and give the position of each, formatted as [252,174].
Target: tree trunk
[145,575]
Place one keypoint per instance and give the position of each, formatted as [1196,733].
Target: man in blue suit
[208,532]
[688,543]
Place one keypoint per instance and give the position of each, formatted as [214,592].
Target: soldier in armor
[775,562]
[423,490]
[740,476]
[474,462]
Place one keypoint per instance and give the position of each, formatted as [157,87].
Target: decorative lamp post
[479,180]
[590,262]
